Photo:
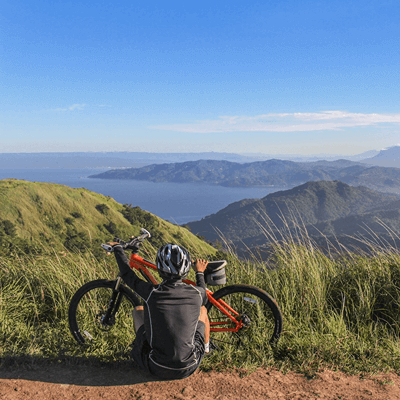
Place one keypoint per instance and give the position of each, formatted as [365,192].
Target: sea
[176,202]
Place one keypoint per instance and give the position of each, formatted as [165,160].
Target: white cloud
[285,122]
[72,108]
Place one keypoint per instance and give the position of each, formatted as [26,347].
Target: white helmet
[173,261]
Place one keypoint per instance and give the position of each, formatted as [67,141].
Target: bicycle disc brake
[104,322]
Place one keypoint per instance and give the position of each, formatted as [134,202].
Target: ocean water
[175,202]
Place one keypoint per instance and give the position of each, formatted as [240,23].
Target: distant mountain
[111,159]
[389,157]
[362,156]
[268,173]
[126,159]
[311,157]
[323,208]
[227,173]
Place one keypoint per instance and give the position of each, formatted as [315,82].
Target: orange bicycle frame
[142,265]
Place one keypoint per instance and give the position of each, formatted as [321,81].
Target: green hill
[323,208]
[37,217]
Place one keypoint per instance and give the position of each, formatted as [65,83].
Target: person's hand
[109,247]
[112,244]
[200,265]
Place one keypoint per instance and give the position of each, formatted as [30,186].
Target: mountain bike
[239,315]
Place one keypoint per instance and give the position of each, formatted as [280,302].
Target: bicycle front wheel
[100,315]
[255,309]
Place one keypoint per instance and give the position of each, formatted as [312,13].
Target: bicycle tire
[258,310]
[88,307]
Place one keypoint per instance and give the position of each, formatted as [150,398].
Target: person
[172,327]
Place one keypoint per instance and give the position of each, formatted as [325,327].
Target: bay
[175,202]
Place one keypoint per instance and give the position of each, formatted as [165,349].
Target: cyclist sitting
[172,328]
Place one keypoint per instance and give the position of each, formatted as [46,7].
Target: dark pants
[141,350]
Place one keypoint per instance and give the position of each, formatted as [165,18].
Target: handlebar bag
[214,274]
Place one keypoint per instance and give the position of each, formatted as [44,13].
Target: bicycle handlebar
[133,244]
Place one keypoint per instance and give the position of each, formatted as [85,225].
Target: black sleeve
[200,282]
[141,287]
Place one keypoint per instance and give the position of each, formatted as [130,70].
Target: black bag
[214,274]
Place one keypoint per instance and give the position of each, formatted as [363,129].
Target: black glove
[134,247]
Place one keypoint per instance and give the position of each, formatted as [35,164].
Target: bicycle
[238,313]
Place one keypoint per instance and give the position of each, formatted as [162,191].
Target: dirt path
[88,382]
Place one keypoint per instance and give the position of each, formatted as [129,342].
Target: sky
[290,77]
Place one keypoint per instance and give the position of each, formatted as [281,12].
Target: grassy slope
[48,213]
[41,208]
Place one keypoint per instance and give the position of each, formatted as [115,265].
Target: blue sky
[294,77]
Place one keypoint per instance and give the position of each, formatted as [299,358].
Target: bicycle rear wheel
[256,309]
[99,315]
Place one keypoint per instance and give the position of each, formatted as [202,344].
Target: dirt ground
[89,382]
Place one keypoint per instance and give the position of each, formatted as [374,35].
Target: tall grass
[341,309]
[34,299]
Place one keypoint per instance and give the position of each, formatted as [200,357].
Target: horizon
[200,152]
[286,79]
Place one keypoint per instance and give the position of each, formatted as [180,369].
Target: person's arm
[200,266]
[141,287]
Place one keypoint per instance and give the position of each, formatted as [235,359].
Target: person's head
[173,261]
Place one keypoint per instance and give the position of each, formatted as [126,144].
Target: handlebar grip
[146,234]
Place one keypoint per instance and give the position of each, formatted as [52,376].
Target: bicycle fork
[108,319]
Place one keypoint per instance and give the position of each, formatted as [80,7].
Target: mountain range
[332,210]
[279,173]
[329,199]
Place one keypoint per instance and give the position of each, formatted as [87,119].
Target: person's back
[174,307]
[173,323]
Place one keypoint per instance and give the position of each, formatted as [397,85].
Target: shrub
[76,215]
[102,208]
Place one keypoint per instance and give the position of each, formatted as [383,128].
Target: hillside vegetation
[339,313]
[42,217]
